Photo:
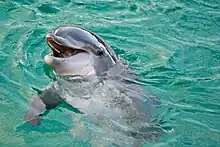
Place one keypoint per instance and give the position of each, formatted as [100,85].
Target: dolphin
[94,80]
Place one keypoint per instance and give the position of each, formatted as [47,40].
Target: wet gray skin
[78,52]
[92,79]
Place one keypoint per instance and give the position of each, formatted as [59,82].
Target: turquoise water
[172,44]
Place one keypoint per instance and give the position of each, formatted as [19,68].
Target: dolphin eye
[99,53]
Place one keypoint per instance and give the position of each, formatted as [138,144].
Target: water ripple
[173,45]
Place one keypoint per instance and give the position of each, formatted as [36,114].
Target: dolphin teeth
[74,52]
[56,50]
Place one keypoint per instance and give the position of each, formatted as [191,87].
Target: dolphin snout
[48,59]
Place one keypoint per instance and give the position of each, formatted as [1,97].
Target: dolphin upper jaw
[78,52]
[54,39]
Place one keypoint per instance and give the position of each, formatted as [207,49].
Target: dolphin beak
[50,38]
[60,47]
[48,59]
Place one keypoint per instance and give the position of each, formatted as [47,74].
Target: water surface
[173,45]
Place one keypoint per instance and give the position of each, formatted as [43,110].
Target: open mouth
[61,51]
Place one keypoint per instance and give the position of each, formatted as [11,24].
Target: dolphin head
[76,51]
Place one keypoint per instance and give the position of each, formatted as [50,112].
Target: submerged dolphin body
[92,79]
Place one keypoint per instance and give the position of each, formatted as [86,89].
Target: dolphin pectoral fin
[40,104]
[32,118]
[34,115]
